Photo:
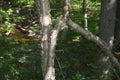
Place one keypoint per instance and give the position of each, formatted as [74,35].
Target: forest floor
[20,57]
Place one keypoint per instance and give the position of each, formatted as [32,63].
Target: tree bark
[84,7]
[50,74]
[106,33]
[49,36]
[117,27]
[102,44]
[45,20]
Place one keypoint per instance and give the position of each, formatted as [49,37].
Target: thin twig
[118,77]
[59,64]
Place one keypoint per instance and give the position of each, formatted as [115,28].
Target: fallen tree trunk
[88,35]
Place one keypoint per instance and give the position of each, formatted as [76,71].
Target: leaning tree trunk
[106,32]
[49,36]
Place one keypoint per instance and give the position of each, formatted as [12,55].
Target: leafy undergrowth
[19,58]
[77,58]
[20,55]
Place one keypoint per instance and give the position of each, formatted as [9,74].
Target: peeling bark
[45,21]
[51,71]
[49,37]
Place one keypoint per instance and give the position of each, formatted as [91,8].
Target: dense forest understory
[76,57]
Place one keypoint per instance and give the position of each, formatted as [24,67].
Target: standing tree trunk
[45,20]
[49,36]
[84,7]
[106,32]
[117,26]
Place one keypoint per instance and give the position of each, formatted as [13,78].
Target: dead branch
[50,75]
[88,35]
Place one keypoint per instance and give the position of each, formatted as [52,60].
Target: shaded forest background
[20,44]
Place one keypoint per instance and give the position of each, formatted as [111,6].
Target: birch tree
[49,35]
